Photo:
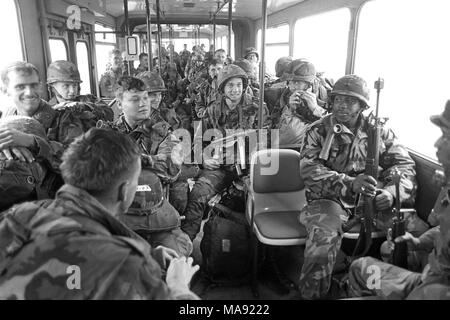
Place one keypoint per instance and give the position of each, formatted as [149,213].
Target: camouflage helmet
[300,70]
[62,70]
[228,72]
[354,86]
[245,65]
[281,65]
[23,124]
[152,80]
[249,51]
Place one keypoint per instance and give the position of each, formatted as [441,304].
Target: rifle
[365,209]
[400,254]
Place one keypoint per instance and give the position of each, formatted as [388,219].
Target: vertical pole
[262,64]
[159,35]
[230,24]
[149,35]
[127,31]
[170,43]
[214,33]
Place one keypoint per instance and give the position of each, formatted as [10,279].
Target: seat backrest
[275,171]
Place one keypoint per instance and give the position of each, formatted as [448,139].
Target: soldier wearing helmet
[253,85]
[251,54]
[233,110]
[332,166]
[162,156]
[280,68]
[63,79]
[296,105]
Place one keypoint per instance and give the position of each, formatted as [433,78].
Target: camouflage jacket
[207,94]
[172,93]
[161,150]
[72,248]
[333,178]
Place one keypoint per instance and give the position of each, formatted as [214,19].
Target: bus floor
[288,260]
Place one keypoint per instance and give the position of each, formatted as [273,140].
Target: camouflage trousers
[371,277]
[209,183]
[323,222]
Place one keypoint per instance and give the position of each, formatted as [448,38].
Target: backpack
[226,242]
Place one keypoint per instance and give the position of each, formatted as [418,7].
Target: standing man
[334,176]
[74,247]
[434,282]
[143,63]
[114,71]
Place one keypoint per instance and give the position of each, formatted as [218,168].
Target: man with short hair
[208,89]
[113,72]
[143,63]
[151,214]
[74,247]
[221,56]
[434,282]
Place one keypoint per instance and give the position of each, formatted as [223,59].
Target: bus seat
[275,197]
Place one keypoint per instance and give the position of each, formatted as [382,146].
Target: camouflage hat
[354,86]
[245,65]
[300,70]
[62,70]
[152,80]
[281,65]
[231,71]
[443,120]
[249,51]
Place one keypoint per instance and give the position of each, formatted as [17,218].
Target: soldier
[185,55]
[281,67]
[434,281]
[221,56]
[114,71]
[297,104]
[235,110]
[334,176]
[152,216]
[63,78]
[143,63]
[208,90]
[251,54]
[253,85]
[74,247]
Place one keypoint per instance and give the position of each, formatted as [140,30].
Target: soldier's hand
[294,100]
[310,99]
[383,200]
[408,237]
[167,254]
[364,184]
[15,138]
[180,273]
[211,164]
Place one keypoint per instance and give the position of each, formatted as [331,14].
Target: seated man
[151,214]
[207,91]
[334,176]
[143,63]
[434,282]
[234,110]
[74,247]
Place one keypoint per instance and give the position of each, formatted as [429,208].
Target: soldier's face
[135,105]
[214,70]
[233,89]
[154,99]
[67,90]
[443,149]
[116,62]
[298,85]
[220,56]
[24,90]
[346,109]
[252,58]
[144,61]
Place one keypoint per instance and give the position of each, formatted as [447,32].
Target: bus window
[277,45]
[413,57]
[58,49]
[9,23]
[104,44]
[323,39]
[83,67]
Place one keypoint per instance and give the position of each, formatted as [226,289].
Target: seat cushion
[280,225]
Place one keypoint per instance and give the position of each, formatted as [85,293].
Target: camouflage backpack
[76,118]
[21,181]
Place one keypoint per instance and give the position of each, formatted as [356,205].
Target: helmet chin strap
[59,97]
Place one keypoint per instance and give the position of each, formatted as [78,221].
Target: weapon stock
[400,254]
